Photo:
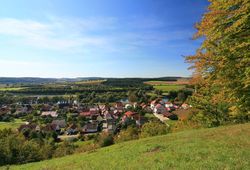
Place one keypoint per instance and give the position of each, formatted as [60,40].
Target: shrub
[104,139]
[153,129]
[66,148]
[130,133]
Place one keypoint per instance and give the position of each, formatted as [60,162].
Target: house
[109,126]
[23,110]
[170,116]
[129,114]
[118,112]
[51,127]
[86,114]
[159,109]
[169,104]
[46,107]
[50,113]
[29,127]
[185,106]
[61,123]
[119,105]
[104,108]
[127,106]
[72,129]
[145,107]
[5,110]
[90,127]
[108,116]
[55,127]
[135,104]
[94,111]
[153,104]
[140,120]
[5,113]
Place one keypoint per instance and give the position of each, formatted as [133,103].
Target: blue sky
[108,38]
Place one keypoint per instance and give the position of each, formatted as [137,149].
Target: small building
[169,104]
[61,123]
[159,109]
[109,126]
[50,113]
[90,127]
[153,104]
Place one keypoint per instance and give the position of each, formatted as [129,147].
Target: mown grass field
[11,125]
[167,88]
[11,88]
[216,148]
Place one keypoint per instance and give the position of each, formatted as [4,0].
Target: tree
[132,96]
[222,63]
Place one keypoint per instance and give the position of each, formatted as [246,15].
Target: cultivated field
[215,148]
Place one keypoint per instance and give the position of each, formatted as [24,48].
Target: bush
[66,148]
[153,129]
[130,133]
[15,149]
[104,139]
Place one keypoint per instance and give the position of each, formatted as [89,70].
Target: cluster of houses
[96,118]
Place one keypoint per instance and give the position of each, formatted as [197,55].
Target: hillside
[216,148]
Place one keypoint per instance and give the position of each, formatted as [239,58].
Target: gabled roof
[158,106]
[129,113]
[60,123]
[85,114]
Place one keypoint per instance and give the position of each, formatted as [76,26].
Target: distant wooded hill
[36,80]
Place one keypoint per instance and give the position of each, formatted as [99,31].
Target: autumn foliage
[222,63]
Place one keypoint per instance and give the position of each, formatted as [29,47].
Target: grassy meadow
[11,88]
[167,88]
[11,125]
[215,148]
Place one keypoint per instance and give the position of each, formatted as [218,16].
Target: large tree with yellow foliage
[222,63]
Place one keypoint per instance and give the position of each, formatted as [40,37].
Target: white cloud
[88,34]
[55,34]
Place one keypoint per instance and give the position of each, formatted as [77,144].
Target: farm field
[12,125]
[167,88]
[178,82]
[90,82]
[214,148]
[11,88]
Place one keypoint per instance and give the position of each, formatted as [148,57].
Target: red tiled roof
[154,101]
[85,114]
[158,106]
[129,113]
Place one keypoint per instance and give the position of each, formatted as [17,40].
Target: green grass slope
[216,148]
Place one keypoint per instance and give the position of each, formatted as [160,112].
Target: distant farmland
[11,88]
[178,82]
[167,86]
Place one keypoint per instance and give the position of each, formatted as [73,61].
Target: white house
[168,104]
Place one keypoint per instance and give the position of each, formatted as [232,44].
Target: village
[70,119]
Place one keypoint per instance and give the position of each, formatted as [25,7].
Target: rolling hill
[216,148]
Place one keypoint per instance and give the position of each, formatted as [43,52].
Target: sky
[97,38]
